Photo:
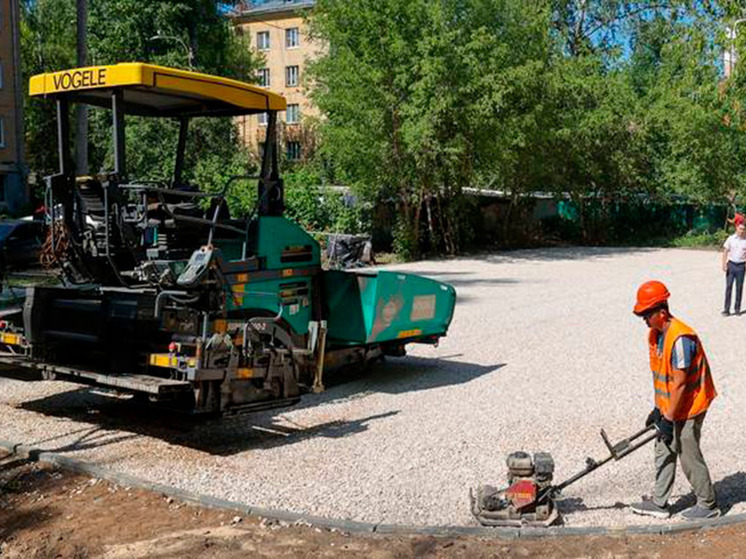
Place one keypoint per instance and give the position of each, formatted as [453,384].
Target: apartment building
[276,29]
[13,191]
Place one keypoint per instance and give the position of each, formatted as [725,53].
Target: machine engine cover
[543,468]
[519,464]
[522,493]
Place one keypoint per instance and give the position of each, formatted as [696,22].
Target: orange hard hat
[650,295]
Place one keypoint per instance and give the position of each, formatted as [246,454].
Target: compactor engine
[526,497]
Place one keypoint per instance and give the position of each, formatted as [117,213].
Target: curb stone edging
[127,480]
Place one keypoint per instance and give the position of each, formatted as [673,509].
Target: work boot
[725,313]
[700,512]
[648,508]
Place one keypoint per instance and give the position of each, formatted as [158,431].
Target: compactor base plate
[485,508]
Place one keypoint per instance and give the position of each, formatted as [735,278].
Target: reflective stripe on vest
[700,389]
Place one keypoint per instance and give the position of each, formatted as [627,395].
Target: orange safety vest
[700,389]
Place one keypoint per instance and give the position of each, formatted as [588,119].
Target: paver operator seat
[114,232]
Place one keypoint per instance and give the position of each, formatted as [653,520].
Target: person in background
[734,264]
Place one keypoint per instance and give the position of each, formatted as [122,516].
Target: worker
[734,264]
[684,390]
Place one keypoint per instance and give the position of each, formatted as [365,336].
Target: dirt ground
[48,513]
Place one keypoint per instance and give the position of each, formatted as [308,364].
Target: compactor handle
[625,446]
[616,451]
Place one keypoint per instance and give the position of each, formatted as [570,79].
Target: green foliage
[417,88]
[694,239]
[601,100]
[405,244]
[47,36]
[180,33]
[321,208]
[605,104]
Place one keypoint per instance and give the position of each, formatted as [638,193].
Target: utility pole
[730,68]
[81,110]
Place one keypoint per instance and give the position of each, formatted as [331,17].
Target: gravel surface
[542,353]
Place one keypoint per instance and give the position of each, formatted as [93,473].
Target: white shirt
[736,247]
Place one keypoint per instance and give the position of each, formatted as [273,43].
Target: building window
[292,38]
[3,181]
[262,40]
[291,76]
[262,119]
[264,77]
[293,114]
[2,132]
[293,151]
[2,71]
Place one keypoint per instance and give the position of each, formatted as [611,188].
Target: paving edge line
[126,480]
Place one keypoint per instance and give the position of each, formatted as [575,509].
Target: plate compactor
[529,498]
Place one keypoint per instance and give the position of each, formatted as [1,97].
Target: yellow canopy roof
[157,90]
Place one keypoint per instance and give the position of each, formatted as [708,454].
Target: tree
[47,29]
[415,92]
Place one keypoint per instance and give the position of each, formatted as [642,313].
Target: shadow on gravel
[576,504]
[18,373]
[399,376]
[238,434]
[117,420]
[95,437]
[565,253]
[113,420]
[521,256]
[446,277]
[730,491]
[546,254]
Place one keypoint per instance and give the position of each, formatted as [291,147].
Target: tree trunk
[411,215]
[81,110]
[448,228]
[430,226]
[508,217]
[581,214]
[415,225]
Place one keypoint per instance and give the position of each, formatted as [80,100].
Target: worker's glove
[653,418]
[665,430]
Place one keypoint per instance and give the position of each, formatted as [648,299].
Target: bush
[320,208]
[405,243]
[697,238]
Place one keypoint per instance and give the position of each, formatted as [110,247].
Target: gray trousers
[686,446]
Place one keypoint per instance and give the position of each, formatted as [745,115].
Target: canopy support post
[117,109]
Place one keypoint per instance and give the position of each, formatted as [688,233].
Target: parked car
[20,243]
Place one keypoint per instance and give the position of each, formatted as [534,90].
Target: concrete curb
[126,480]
